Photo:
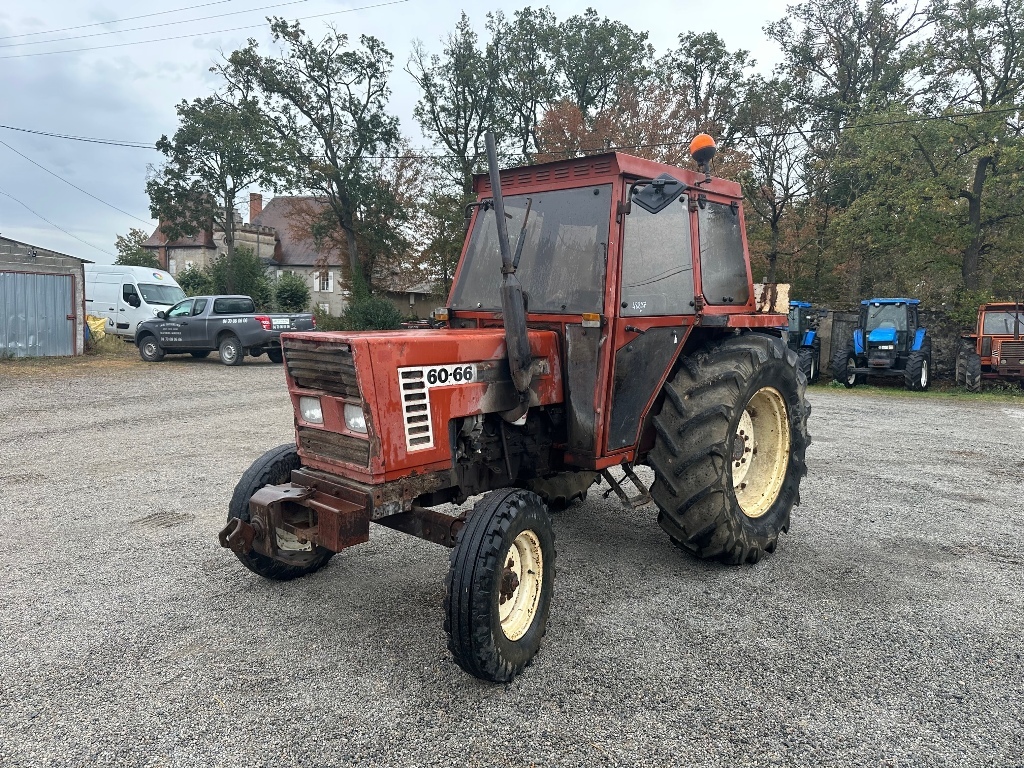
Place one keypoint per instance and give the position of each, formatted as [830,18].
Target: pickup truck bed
[229,324]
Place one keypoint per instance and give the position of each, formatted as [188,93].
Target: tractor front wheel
[729,449]
[843,364]
[807,364]
[499,585]
[274,468]
[917,374]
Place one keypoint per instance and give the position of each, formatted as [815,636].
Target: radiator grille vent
[419,433]
[1012,352]
[334,445]
[323,367]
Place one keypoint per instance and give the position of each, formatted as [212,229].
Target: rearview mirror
[161,314]
[656,194]
[134,300]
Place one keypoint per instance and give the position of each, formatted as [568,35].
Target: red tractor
[619,329]
[995,350]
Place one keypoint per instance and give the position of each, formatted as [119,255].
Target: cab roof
[596,169]
[801,304]
[865,302]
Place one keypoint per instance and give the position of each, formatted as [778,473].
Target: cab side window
[181,310]
[130,295]
[199,307]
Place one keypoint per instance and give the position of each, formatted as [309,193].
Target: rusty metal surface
[583,346]
[311,515]
[322,366]
[380,500]
[333,445]
[238,536]
[426,524]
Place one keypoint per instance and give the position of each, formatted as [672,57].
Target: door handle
[182,323]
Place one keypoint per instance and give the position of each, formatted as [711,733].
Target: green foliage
[243,273]
[130,252]
[194,281]
[371,313]
[364,313]
[219,149]
[964,312]
[325,104]
[291,293]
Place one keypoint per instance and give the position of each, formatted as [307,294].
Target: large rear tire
[972,371]
[500,584]
[273,468]
[805,363]
[729,449]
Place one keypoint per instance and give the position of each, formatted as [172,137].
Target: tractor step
[631,502]
[876,371]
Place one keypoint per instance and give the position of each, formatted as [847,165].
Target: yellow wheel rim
[521,580]
[760,452]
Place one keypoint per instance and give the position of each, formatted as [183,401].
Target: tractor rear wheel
[816,372]
[729,449]
[972,371]
[917,374]
[273,468]
[499,585]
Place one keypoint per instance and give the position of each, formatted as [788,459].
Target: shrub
[194,282]
[371,313]
[291,293]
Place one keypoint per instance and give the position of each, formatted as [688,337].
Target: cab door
[175,326]
[656,284]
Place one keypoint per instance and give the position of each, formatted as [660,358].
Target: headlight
[155,310]
[354,418]
[309,408]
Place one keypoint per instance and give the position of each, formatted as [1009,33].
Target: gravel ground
[884,631]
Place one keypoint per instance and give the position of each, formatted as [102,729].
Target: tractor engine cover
[385,400]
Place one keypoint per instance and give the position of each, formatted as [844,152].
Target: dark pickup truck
[229,324]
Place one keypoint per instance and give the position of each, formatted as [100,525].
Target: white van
[126,296]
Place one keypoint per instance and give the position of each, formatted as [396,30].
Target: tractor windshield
[563,262]
[1001,324]
[887,316]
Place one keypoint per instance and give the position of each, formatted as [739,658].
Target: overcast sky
[128,92]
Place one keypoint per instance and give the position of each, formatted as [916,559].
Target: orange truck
[619,328]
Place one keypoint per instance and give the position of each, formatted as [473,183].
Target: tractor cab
[888,341]
[996,349]
[802,337]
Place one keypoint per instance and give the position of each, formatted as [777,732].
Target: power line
[152,26]
[114,21]
[89,194]
[112,142]
[197,34]
[55,226]
[426,156]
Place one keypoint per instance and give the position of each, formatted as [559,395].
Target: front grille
[334,445]
[1012,352]
[322,366]
[419,433]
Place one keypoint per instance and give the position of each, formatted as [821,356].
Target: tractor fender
[919,338]
[858,341]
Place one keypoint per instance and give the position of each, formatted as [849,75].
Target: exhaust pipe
[513,309]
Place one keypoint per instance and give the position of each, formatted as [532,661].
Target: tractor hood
[409,386]
[882,336]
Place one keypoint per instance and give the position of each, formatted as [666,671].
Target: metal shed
[42,301]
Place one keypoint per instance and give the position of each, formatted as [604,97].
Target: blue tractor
[886,342]
[803,338]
